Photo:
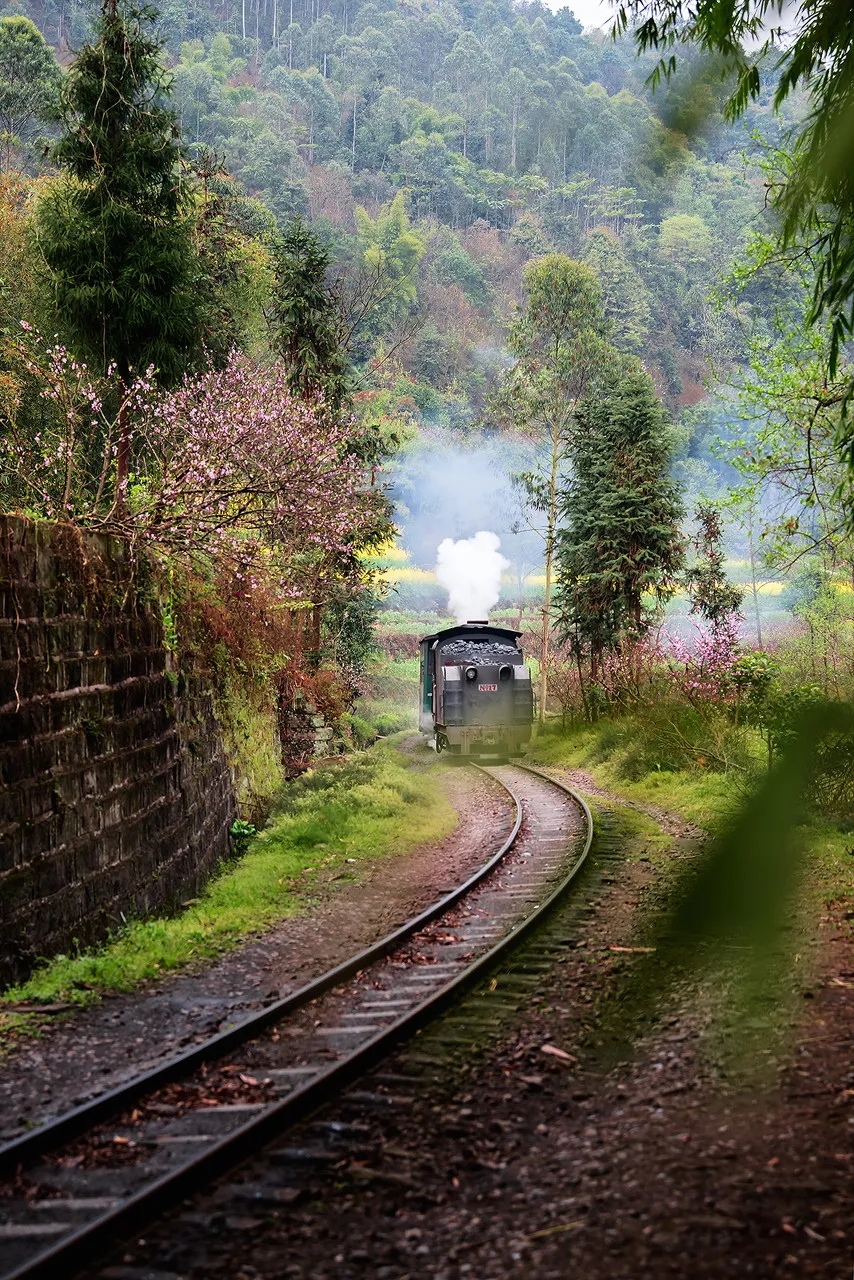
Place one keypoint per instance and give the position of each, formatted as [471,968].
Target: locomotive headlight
[471,673]
[505,672]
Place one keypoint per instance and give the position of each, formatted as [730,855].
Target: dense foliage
[29,84]
[304,318]
[193,397]
[561,352]
[447,147]
[112,228]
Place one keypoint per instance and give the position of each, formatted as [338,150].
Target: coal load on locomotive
[476,694]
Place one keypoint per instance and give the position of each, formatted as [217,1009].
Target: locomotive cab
[475,691]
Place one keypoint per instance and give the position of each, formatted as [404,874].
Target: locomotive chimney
[478,622]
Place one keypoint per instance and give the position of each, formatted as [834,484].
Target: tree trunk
[753,581]
[578,668]
[550,538]
[69,467]
[315,633]
[122,454]
[487,137]
[544,656]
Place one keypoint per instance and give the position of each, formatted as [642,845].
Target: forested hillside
[453,142]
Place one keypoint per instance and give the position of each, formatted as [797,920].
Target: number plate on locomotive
[487,688]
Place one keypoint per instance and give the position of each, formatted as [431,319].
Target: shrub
[388,722]
[830,780]
[241,833]
[670,736]
[361,730]
[394,644]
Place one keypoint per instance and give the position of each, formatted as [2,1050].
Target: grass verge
[372,805]
[390,703]
[703,796]
[745,998]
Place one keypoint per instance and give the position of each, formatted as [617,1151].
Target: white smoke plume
[470,570]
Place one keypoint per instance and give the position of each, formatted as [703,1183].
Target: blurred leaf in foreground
[731,914]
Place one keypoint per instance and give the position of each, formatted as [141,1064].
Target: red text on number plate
[487,688]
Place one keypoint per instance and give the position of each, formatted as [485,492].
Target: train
[476,695]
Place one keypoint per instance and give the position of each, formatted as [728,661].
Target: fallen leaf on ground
[551,1231]
[557,1053]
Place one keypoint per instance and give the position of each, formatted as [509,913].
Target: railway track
[75,1186]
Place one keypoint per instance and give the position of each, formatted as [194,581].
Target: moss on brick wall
[116,796]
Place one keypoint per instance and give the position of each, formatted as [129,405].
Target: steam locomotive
[476,697]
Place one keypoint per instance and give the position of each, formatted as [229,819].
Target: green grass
[709,799]
[392,701]
[702,796]
[748,999]
[644,836]
[375,804]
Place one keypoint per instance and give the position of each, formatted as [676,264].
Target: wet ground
[522,1148]
[534,1155]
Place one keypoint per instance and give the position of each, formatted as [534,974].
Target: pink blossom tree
[230,468]
[237,466]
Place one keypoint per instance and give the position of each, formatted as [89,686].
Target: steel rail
[79,1120]
[80,1246]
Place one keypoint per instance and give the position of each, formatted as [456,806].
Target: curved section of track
[206,1110]
[81,1119]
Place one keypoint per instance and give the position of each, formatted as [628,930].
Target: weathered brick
[10,806]
[42,836]
[115,795]
[11,847]
[54,873]
[15,763]
[36,799]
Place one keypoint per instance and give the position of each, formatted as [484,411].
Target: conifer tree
[113,231]
[619,538]
[304,317]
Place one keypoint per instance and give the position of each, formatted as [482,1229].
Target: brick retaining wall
[115,792]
